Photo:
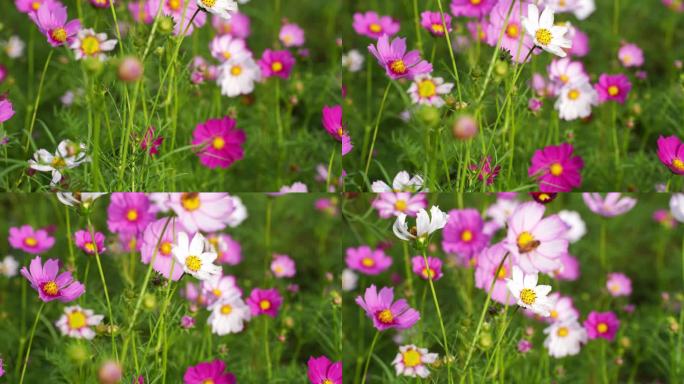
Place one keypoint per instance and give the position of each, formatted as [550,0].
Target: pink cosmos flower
[283,266]
[238,25]
[49,285]
[368,261]
[514,39]
[140,11]
[323,371]
[397,62]
[229,251]
[664,217]
[385,312]
[374,26]
[487,272]
[463,234]
[52,22]
[291,35]
[478,30]
[84,240]
[32,6]
[264,302]
[181,13]
[432,22]
[100,3]
[163,261]
[612,205]
[129,212]
[332,122]
[602,324]
[675,5]
[6,110]
[613,88]
[566,71]
[631,55]
[220,287]
[432,269]
[570,269]
[29,240]
[580,42]
[395,203]
[218,142]
[556,168]
[618,284]
[472,8]
[536,243]
[562,308]
[485,172]
[207,212]
[671,153]
[209,372]
[524,346]
[276,63]
[187,322]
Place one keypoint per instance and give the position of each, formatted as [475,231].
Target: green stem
[495,54]
[267,349]
[377,124]
[279,125]
[416,18]
[409,275]
[330,164]
[602,246]
[106,291]
[28,349]
[616,146]
[370,353]
[35,105]
[441,321]
[451,50]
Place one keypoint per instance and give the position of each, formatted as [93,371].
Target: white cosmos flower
[76,322]
[193,257]
[427,90]
[565,338]
[353,60]
[229,314]
[577,227]
[9,266]
[584,8]
[90,44]
[14,47]
[222,8]
[68,155]
[545,34]
[411,361]
[78,198]
[575,101]
[237,77]
[403,182]
[529,295]
[349,280]
[425,224]
[677,206]
[227,47]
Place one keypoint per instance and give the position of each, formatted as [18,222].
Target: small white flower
[229,314]
[237,77]
[239,213]
[545,34]
[529,295]
[90,44]
[76,322]
[193,257]
[227,47]
[575,101]
[411,361]
[349,280]
[9,266]
[565,338]
[68,155]
[222,8]
[577,227]
[78,198]
[584,8]
[425,224]
[403,182]
[353,60]
[427,90]
[14,47]
[677,206]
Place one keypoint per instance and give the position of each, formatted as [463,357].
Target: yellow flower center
[678,164]
[277,66]
[385,316]
[209,3]
[398,66]
[226,55]
[30,241]
[59,34]
[218,143]
[400,205]
[340,131]
[193,263]
[375,28]
[562,331]
[427,88]
[411,358]
[627,59]
[502,273]
[208,381]
[236,70]
[90,45]
[513,31]
[466,235]
[526,242]
[613,90]
[554,314]
[165,248]
[602,327]
[50,288]
[226,309]
[76,320]
[190,201]
[58,162]
[556,169]
[217,292]
[265,305]
[475,2]
[174,4]
[428,273]
[564,78]
[327,381]
[89,246]
[543,36]
[35,5]
[574,94]
[132,215]
[528,296]
[367,262]
[437,28]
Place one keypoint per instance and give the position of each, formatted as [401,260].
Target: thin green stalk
[602,246]
[502,332]
[330,164]
[370,353]
[106,290]
[279,124]
[409,275]
[35,105]
[616,146]
[604,365]
[441,320]
[377,124]
[451,50]
[267,349]
[416,19]
[28,349]
[495,54]
[616,17]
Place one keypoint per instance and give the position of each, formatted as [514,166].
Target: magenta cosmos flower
[613,88]
[487,272]
[368,261]
[556,168]
[332,122]
[209,372]
[6,109]
[374,26]
[397,63]
[463,234]
[32,241]
[264,302]
[612,205]
[323,371]
[207,212]
[52,22]
[276,63]
[84,240]
[129,212]
[218,142]
[432,22]
[472,8]
[391,204]
[671,153]
[619,284]
[49,284]
[163,261]
[536,243]
[602,324]
[432,269]
[385,312]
